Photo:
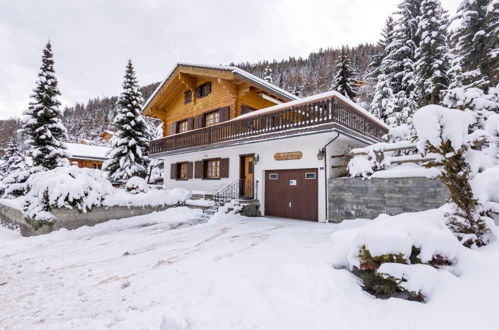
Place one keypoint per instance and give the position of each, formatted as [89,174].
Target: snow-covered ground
[171,270]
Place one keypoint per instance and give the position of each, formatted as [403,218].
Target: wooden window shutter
[173,128]
[173,171]
[190,123]
[190,169]
[224,114]
[224,167]
[208,88]
[198,169]
[199,121]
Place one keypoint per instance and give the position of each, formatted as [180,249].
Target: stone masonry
[351,198]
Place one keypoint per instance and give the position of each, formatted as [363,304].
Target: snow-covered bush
[398,256]
[65,187]
[444,132]
[15,172]
[136,185]
[83,189]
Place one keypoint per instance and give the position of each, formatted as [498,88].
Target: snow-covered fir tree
[383,104]
[378,65]
[14,172]
[343,81]
[432,55]
[129,154]
[400,59]
[267,74]
[42,123]
[476,41]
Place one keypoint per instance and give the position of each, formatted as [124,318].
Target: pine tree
[432,55]
[15,172]
[42,123]
[476,40]
[378,65]
[343,81]
[129,155]
[383,104]
[400,60]
[267,74]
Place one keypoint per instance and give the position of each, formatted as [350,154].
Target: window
[187,96]
[94,165]
[203,90]
[182,171]
[310,176]
[99,166]
[182,126]
[212,118]
[213,169]
[273,176]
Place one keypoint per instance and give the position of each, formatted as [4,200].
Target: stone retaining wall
[351,198]
[72,219]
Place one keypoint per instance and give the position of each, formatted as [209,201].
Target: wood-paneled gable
[226,91]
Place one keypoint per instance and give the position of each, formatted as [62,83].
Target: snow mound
[136,185]
[436,124]
[401,235]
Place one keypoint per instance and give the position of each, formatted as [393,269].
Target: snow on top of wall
[77,150]
[313,98]
[237,71]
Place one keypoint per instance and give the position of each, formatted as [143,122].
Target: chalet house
[234,135]
[84,155]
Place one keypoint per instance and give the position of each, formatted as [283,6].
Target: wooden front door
[247,176]
[292,194]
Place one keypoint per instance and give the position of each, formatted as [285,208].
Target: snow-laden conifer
[343,81]
[267,74]
[42,123]
[383,104]
[432,55]
[14,172]
[129,154]
[476,41]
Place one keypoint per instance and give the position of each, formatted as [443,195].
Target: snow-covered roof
[314,98]
[85,151]
[240,73]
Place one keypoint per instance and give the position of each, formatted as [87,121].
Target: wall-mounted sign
[288,155]
[292,182]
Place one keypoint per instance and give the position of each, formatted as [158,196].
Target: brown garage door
[292,194]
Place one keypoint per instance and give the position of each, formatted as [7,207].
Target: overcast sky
[92,39]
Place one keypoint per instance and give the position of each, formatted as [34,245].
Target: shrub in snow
[398,256]
[68,187]
[136,185]
[444,132]
[15,172]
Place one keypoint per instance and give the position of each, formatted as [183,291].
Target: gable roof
[237,72]
[85,151]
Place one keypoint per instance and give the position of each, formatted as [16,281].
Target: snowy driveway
[168,271]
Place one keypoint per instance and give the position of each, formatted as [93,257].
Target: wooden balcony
[314,115]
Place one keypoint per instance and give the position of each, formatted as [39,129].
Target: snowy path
[168,271]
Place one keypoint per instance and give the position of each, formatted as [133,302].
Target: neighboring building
[106,135]
[84,155]
[230,133]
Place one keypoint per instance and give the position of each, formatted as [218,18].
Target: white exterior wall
[309,145]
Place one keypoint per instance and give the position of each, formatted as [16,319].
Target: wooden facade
[191,93]
[86,163]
